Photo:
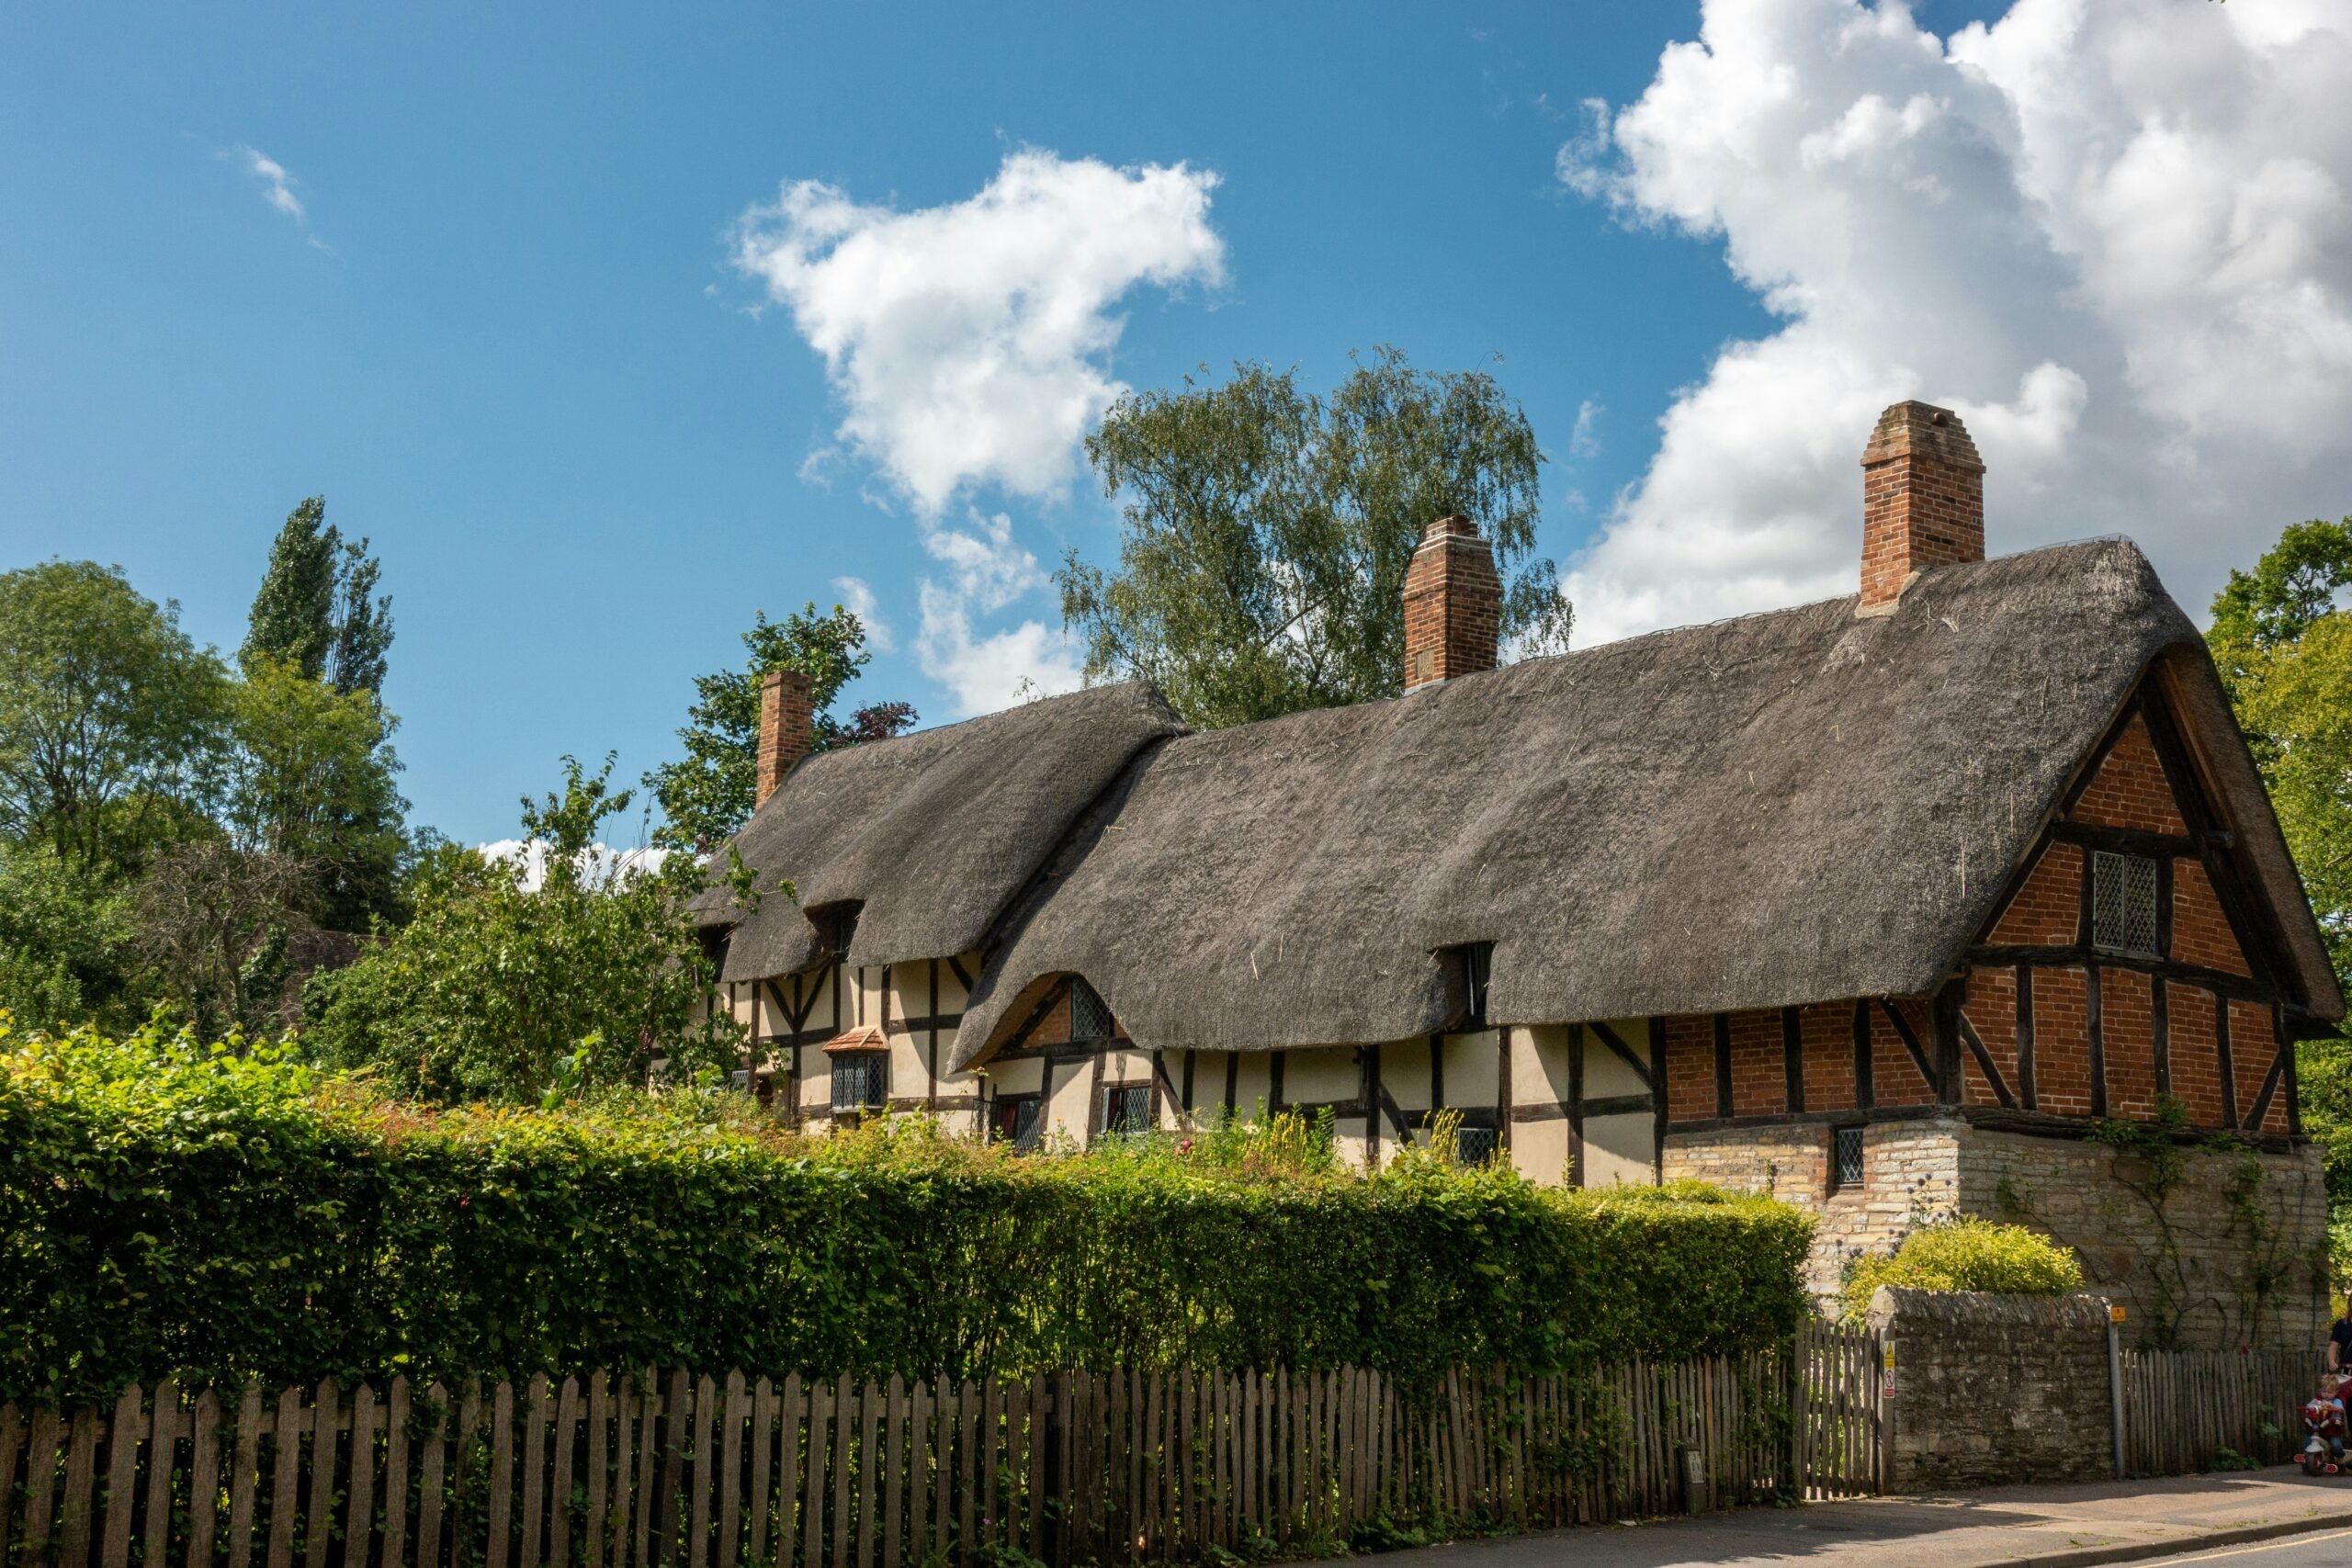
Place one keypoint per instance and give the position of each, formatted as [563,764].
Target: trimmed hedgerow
[165,1207]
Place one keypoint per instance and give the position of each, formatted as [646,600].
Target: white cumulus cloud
[969,343]
[2112,233]
[857,598]
[986,571]
[606,863]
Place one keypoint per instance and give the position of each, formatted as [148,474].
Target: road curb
[2136,1552]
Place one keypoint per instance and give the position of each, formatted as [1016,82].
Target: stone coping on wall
[1985,1309]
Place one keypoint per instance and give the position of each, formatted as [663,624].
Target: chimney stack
[788,729]
[1923,500]
[1453,604]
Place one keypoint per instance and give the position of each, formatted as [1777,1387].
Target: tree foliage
[109,713]
[501,990]
[706,795]
[167,1208]
[2282,640]
[317,608]
[308,779]
[1267,531]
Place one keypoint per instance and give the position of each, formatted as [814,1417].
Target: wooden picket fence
[2189,1410]
[674,1471]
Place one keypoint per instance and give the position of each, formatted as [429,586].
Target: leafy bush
[170,1207]
[1965,1254]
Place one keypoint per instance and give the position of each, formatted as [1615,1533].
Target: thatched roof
[930,835]
[1781,809]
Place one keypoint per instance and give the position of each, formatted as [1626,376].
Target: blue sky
[476,276]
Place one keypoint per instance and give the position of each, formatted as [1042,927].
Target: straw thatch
[929,836]
[1782,808]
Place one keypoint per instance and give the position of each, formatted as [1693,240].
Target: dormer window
[1090,1018]
[2123,903]
[1477,970]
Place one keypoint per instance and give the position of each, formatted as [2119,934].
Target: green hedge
[1964,1253]
[166,1208]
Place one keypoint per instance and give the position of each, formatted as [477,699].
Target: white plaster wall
[1405,1071]
[1617,1149]
[1539,1151]
[1331,1073]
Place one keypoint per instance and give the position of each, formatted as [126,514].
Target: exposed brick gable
[2047,909]
[2130,789]
[2200,932]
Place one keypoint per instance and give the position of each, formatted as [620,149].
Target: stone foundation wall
[1996,1389]
[2235,1256]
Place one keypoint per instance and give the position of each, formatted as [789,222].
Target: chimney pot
[1454,603]
[1923,500]
[788,729]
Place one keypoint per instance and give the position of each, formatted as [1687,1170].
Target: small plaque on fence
[1886,1390]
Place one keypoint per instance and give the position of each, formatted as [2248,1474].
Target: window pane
[1849,1171]
[1089,1018]
[2123,902]
[1474,1145]
[1016,1121]
[857,1083]
[1126,1110]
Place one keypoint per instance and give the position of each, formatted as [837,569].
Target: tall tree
[308,779]
[363,622]
[317,608]
[109,713]
[1267,532]
[706,795]
[292,619]
[2282,639]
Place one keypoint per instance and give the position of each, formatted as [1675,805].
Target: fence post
[2115,1381]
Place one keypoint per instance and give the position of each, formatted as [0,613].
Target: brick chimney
[1453,604]
[787,729]
[1923,500]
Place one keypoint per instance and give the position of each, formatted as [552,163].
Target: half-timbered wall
[2057,1024]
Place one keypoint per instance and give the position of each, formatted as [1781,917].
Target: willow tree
[1267,529]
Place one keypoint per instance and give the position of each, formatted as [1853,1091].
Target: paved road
[2331,1549]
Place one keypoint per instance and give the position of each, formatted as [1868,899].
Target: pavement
[2007,1527]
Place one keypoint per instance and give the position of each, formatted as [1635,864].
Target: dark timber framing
[1792,1059]
[1722,1065]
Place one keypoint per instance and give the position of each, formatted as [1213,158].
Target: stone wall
[2238,1257]
[1996,1389]
[2234,1256]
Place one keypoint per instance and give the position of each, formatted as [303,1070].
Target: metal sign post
[2114,1380]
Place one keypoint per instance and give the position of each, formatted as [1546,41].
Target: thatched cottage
[1886,904]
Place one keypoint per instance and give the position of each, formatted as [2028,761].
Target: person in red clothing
[2324,1426]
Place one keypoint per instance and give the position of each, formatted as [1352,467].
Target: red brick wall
[1760,1077]
[2252,1047]
[2196,1064]
[1993,1008]
[2047,911]
[2127,1030]
[2200,932]
[1690,1069]
[1826,1031]
[2129,790]
[2062,1051]
[1053,1028]
[1894,1079]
